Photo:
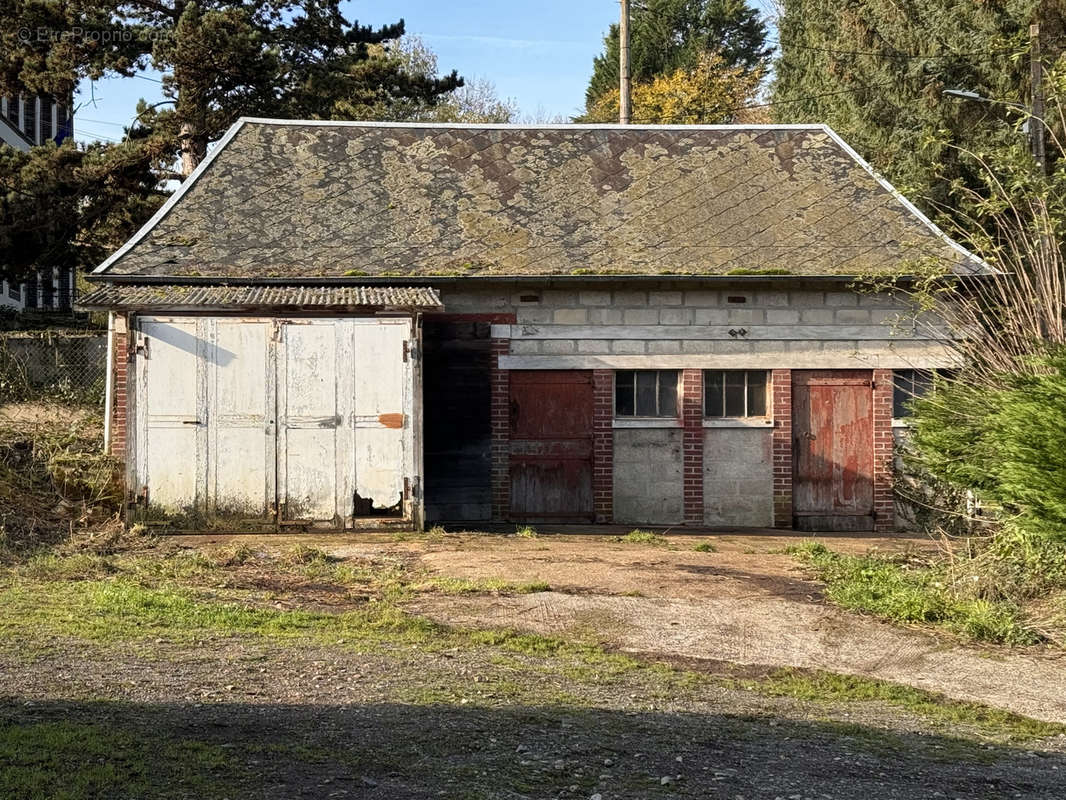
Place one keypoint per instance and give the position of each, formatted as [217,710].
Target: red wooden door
[832,450]
[551,446]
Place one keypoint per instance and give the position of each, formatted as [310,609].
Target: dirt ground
[242,720]
[240,716]
[747,603]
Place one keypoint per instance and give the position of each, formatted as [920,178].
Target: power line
[101,122]
[96,135]
[897,55]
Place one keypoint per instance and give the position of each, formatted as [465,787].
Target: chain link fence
[56,481]
[68,367]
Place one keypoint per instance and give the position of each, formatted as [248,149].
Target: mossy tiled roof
[290,199]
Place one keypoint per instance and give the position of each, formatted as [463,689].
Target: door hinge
[139,498]
[140,348]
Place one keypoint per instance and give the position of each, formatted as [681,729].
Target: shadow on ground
[119,750]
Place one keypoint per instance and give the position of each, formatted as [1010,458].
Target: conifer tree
[671,35]
[220,61]
[875,71]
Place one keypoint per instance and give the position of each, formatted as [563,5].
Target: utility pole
[1036,118]
[623,65]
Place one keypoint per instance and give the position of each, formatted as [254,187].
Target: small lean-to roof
[333,199]
[287,297]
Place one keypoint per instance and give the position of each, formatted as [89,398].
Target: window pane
[46,119]
[29,117]
[923,382]
[757,394]
[713,385]
[908,384]
[646,393]
[623,394]
[667,393]
[902,386]
[734,393]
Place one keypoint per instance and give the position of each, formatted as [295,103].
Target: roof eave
[434,280]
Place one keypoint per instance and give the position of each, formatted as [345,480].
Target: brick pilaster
[692,443]
[603,444]
[884,500]
[119,394]
[500,413]
[781,380]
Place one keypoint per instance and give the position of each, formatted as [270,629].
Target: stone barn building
[343,325]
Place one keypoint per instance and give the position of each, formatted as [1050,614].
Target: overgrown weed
[638,536]
[933,590]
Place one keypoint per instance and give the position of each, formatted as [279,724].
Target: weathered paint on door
[551,445]
[832,426]
[383,411]
[239,416]
[171,433]
[296,421]
[315,446]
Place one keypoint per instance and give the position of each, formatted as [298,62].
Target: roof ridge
[519,126]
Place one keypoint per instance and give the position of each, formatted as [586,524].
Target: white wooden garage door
[296,421]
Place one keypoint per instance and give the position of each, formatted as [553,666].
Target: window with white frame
[645,393]
[734,393]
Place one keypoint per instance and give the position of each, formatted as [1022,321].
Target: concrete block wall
[690,474]
[798,326]
[738,480]
[648,476]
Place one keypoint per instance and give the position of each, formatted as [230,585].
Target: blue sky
[538,54]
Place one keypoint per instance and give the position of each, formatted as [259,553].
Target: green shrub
[1005,442]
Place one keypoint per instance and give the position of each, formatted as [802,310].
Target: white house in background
[26,121]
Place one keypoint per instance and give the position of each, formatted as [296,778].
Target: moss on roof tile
[332,200]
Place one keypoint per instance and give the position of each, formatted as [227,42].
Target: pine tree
[671,35]
[220,60]
[875,71]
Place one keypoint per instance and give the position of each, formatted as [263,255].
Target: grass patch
[483,585]
[833,687]
[638,536]
[177,598]
[905,592]
[526,532]
[121,609]
[705,547]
